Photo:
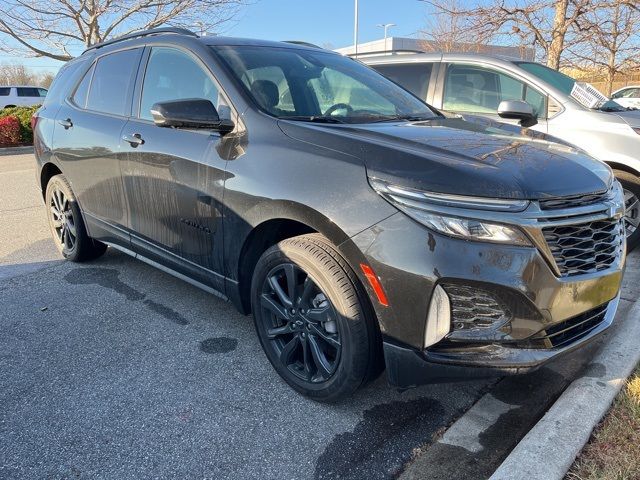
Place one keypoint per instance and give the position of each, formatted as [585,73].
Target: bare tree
[50,28]
[17,74]
[609,40]
[544,24]
[451,31]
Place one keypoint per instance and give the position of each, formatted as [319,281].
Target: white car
[21,96]
[628,96]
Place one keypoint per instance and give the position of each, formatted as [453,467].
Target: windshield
[309,85]
[563,82]
[556,79]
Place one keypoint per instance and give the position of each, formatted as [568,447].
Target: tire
[328,323]
[66,223]
[631,185]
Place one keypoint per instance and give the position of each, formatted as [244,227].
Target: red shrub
[9,131]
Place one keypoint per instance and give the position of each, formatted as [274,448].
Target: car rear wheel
[66,224]
[631,185]
[311,318]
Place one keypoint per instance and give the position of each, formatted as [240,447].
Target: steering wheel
[339,106]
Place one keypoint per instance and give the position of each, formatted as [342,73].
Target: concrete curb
[550,448]
[16,150]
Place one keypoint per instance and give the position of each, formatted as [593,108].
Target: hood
[451,155]
[632,117]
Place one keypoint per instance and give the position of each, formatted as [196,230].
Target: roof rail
[304,44]
[143,33]
[387,52]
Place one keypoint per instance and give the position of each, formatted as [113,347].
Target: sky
[317,21]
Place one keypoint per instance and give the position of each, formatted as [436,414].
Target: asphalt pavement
[113,369]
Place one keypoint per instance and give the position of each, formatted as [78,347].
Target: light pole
[386,26]
[355,28]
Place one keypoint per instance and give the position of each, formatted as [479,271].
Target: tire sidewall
[632,183]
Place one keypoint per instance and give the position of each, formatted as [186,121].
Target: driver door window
[480,90]
[174,75]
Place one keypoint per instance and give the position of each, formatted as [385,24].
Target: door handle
[67,123]
[133,140]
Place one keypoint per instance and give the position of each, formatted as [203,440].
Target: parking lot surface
[113,369]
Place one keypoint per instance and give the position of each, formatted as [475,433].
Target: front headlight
[426,208]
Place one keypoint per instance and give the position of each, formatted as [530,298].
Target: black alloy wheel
[302,323]
[66,223]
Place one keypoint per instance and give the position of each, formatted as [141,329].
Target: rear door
[87,140]
[173,177]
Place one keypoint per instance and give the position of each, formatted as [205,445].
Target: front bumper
[408,367]
[410,261]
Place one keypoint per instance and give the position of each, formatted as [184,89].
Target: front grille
[571,202]
[475,309]
[585,248]
[575,328]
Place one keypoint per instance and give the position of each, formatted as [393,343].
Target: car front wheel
[311,318]
[631,185]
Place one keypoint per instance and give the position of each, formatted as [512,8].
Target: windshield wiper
[408,118]
[313,118]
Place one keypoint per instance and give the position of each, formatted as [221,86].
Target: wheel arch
[623,167]
[48,170]
[287,219]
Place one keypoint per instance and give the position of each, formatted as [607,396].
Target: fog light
[439,318]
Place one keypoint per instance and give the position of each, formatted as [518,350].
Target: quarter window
[472,89]
[80,96]
[174,75]
[4,92]
[111,82]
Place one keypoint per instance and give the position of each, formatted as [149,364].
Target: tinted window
[174,75]
[480,90]
[5,91]
[413,77]
[28,92]
[80,96]
[111,82]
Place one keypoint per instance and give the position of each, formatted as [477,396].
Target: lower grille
[575,328]
[585,248]
[474,309]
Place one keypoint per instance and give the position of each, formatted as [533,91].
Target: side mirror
[518,110]
[189,113]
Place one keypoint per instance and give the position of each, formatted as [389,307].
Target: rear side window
[112,81]
[5,91]
[413,77]
[28,92]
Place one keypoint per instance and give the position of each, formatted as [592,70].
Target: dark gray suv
[359,226]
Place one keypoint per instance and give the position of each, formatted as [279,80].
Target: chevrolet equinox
[362,228]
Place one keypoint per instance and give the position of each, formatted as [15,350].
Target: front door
[174,178]
[479,90]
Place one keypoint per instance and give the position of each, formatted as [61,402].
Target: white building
[399,45]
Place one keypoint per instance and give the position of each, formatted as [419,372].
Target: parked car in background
[477,84]
[628,97]
[21,96]
[359,226]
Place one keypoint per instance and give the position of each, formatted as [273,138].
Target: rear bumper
[409,367]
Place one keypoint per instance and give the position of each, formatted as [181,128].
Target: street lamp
[355,27]
[386,27]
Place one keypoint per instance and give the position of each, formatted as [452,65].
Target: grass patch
[613,452]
